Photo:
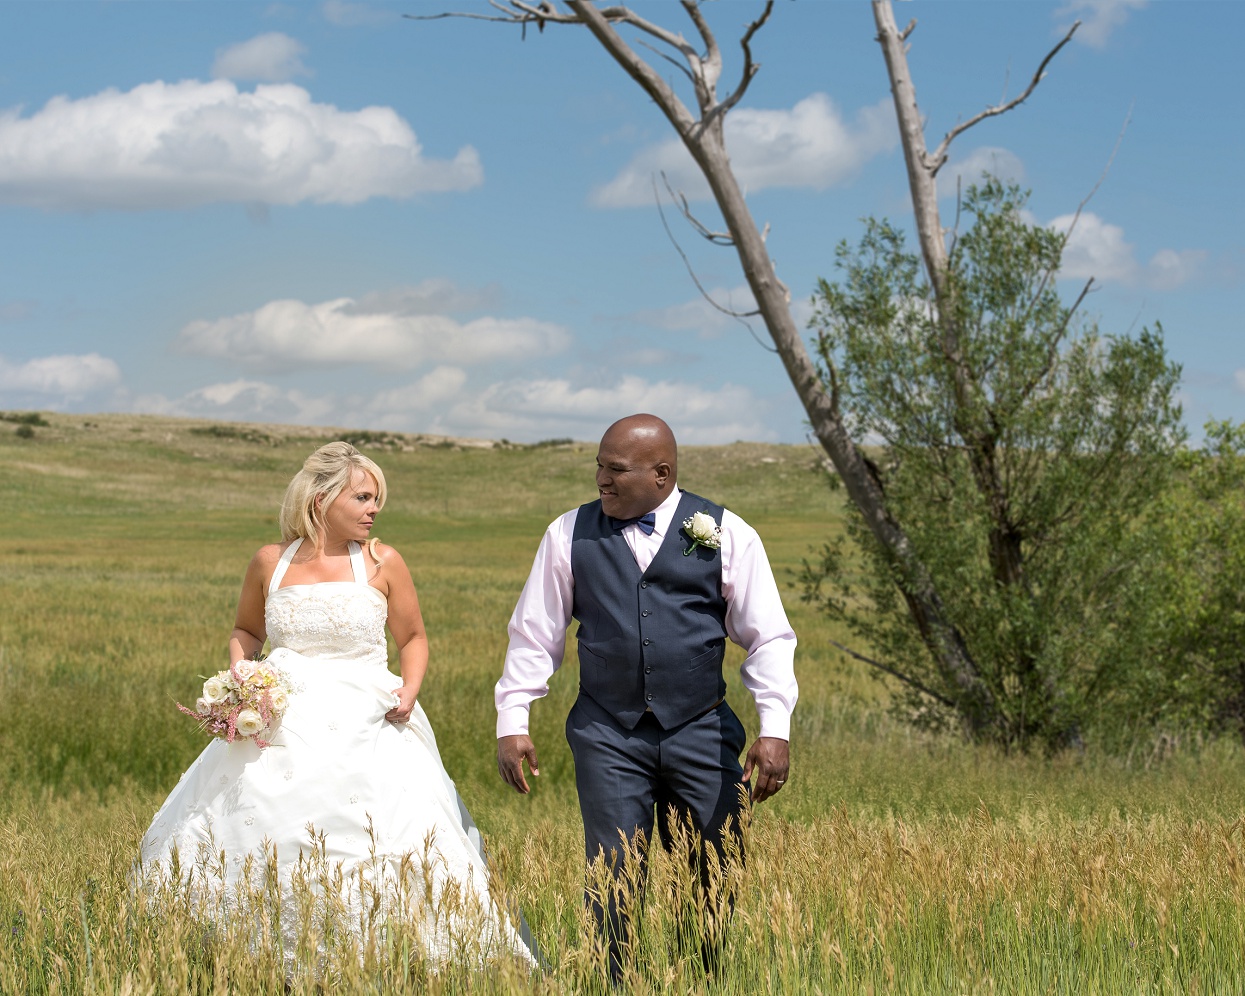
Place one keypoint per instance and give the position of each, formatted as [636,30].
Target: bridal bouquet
[243,701]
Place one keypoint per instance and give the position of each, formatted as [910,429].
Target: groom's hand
[770,758]
[511,753]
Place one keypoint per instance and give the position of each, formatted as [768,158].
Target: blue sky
[328,214]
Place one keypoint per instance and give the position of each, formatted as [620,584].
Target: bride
[352,778]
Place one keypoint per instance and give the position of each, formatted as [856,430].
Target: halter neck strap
[283,564]
[356,562]
[357,566]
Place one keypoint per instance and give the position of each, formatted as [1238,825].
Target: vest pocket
[586,656]
[708,657]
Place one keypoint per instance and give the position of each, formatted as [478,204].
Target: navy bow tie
[646,522]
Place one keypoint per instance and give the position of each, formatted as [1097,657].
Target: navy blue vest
[653,640]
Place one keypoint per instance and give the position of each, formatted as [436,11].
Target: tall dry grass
[892,862]
[839,904]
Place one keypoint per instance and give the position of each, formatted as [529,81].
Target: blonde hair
[325,475]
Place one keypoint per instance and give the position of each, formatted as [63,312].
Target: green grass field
[892,862]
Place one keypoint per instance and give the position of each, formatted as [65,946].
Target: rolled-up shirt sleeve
[757,621]
[537,629]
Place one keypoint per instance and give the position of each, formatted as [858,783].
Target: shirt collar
[664,512]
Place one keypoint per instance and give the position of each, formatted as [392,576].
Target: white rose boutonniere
[704,531]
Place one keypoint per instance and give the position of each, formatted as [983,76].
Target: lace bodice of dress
[333,619]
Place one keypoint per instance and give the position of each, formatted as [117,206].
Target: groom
[655,601]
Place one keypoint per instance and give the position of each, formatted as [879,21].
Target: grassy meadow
[892,862]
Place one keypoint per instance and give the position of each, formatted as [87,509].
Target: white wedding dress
[375,793]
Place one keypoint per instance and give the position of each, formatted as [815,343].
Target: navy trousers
[629,782]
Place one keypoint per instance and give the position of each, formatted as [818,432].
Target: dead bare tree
[980,434]
[701,130]
[923,167]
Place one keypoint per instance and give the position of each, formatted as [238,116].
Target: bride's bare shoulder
[266,557]
[269,553]
[384,555]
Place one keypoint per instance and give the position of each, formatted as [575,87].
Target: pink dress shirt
[755,619]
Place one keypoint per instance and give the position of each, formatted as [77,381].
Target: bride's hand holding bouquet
[242,701]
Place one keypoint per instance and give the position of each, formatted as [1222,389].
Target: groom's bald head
[636,465]
[647,435]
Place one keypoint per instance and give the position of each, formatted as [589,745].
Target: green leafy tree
[1193,609]
[1019,464]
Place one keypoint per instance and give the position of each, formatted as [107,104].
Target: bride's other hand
[406,624]
[406,702]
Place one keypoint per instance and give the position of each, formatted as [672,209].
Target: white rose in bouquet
[249,723]
[203,707]
[278,698]
[215,690]
[243,670]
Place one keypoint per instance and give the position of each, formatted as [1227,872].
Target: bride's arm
[247,638]
[407,626]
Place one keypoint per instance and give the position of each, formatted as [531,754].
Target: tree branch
[739,316]
[599,24]
[750,67]
[1119,140]
[710,69]
[514,12]
[1052,349]
[670,59]
[717,238]
[935,161]
[912,682]
[522,12]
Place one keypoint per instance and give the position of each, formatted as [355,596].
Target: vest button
[649,696]
[647,642]
[648,670]
[643,584]
[644,613]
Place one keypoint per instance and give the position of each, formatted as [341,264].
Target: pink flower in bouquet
[242,702]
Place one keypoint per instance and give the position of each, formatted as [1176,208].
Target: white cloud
[405,408]
[174,145]
[1099,18]
[1095,248]
[1000,163]
[434,389]
[271,58]
[242,401]
[1170,268]
[1098,249]
[66,376]
[519,409]
[285,334]
[444,402]
[810,145]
